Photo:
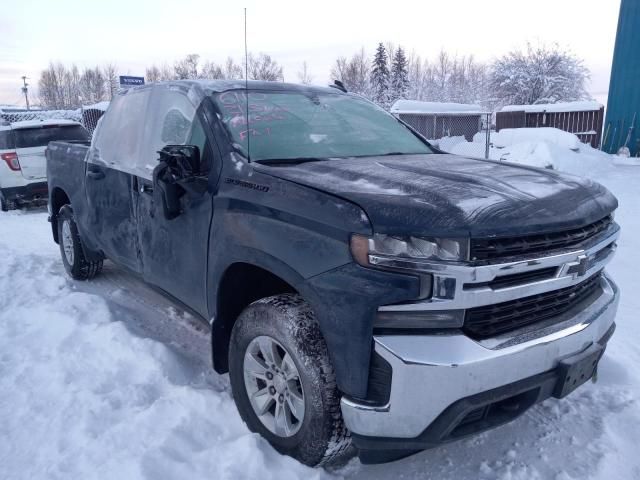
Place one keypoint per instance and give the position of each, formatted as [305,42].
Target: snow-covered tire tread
[298,318]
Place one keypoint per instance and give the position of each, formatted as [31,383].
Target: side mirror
[182,160]
[178,172]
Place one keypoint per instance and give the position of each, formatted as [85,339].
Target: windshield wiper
[393,153]
[291,161]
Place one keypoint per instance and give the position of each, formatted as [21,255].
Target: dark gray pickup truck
[362,288]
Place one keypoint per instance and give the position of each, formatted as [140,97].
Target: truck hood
[452,196]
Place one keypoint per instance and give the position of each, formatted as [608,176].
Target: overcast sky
[134,34]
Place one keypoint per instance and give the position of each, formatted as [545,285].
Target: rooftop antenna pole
[246,84]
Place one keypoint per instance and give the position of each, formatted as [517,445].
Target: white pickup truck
[23,170]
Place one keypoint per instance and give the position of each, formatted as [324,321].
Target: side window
[199,138]
[6,140]
[119,138]
[172,121]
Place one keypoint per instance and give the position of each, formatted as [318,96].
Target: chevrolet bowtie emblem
[583,266]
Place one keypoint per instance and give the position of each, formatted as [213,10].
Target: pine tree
[399,76]
[380,78]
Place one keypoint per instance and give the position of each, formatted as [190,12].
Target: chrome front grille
[493,320]
[497,248]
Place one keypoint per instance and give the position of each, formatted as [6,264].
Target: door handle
[95,175]
[95,172]
[145,186]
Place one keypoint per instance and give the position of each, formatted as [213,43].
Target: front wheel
[71,250]
[283,382]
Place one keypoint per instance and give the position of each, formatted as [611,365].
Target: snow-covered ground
[108,380]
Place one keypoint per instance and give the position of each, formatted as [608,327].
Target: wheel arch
[241,284]
[57,198]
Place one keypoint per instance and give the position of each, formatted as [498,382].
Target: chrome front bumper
[432,372]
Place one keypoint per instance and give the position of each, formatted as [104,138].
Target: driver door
[174,252]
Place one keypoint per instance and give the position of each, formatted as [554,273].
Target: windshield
[41,136]
[299,125]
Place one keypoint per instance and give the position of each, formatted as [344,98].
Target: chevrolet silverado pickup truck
[363,289]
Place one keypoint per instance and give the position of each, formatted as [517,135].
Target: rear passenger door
[174,252]
[111,178]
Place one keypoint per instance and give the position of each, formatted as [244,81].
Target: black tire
[6,205]
[322,438]
[79,268]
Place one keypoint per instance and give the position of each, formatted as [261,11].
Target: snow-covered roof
[584,106]
[42,123]
[416,106]
[97,106]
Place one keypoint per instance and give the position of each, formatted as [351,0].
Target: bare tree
[233,70]
[539,74]
[50,86]
[159,74]
[152,74]
[354,73]
[187,68]
[211,70]
[303,75]
[263,67]
[92,86]
[110,73]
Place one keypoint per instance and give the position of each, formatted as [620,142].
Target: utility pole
[25,90]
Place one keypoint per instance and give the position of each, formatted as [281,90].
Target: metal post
[488,137]
[25,90]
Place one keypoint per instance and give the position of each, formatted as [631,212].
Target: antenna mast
[246,84]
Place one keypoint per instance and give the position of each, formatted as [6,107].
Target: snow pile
[540,147]
[102,106]
[81,397]
[417,107]
[510,136]
[447,143]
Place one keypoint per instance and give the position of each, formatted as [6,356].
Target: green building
[623,105]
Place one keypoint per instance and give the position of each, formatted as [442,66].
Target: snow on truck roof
[207,87]
[585,106]
[417,107]
[42,123]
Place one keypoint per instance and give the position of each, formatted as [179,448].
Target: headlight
[406,252]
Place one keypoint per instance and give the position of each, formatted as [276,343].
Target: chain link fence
[461,133]
[87,116]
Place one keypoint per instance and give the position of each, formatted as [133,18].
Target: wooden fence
[587,125]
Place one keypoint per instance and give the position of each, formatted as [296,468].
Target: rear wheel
[283,382]
[71,250]
[6,205]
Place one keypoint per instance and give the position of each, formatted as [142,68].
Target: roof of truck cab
[208,87]
[42,123]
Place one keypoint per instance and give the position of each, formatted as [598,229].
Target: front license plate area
[576,370]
